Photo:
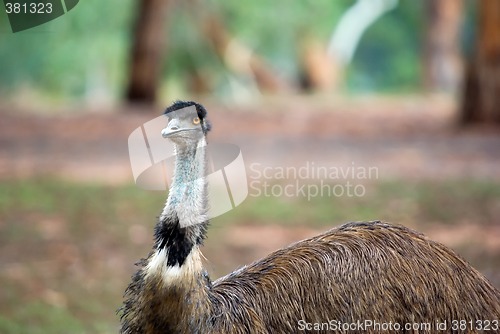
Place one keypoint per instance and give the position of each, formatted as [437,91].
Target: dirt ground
[411,137]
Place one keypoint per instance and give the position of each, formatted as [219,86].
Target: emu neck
[183,222]
[186,199]
[175,293]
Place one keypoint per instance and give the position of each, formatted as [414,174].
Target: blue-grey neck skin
[183,223]
[187,195]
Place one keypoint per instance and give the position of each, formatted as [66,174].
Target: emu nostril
[169,129]
[164,133]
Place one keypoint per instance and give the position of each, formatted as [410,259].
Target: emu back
[360,271]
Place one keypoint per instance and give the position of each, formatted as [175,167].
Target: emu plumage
[359,271]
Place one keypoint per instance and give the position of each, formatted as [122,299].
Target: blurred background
[410,89]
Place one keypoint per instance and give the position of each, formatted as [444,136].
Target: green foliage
[44,223]
[77,202]
[446,202]
[275,29]
[89,46]
[39,318]
[390,51]
[64,56]
[413,203]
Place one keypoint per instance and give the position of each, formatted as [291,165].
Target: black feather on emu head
[202,112]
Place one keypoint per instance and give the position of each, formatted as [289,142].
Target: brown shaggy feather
[356,272]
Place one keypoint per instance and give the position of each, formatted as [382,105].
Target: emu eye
[196,120]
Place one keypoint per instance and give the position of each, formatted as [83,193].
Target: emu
[358,272]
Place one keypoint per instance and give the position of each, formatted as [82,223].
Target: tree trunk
[443,66]
[319,71]
[481,102]
[242,60]
[147,52]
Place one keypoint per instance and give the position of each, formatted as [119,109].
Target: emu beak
[166,132]
[173,127]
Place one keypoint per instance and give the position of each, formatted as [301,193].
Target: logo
[153,157]
[26,14]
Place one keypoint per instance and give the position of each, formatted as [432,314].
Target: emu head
[187,123]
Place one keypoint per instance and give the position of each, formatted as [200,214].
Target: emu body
[359,271]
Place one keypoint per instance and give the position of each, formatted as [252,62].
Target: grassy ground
[67,249]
